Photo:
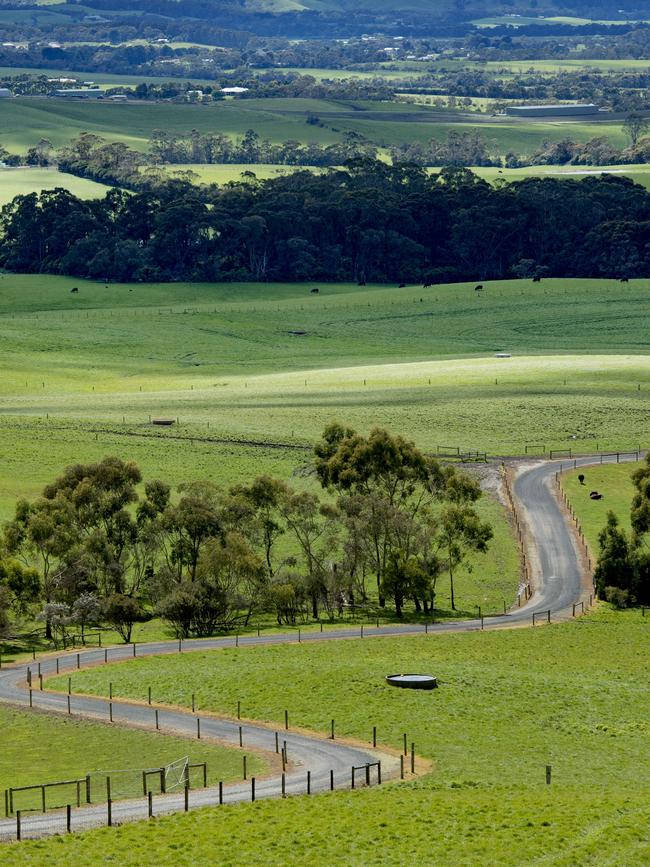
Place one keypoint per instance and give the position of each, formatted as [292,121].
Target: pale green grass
[640,174]
[40,748]
[225,356]
[224,173]
[574,696]
[23,181]
[566,65]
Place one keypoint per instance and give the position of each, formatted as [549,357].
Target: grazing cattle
[594,495]
[426,285]
[624,280]
[74,289]
[402,286]
[361,283]
[537,279]
[478,288]
[315,289]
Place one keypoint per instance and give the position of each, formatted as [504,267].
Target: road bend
[557,584]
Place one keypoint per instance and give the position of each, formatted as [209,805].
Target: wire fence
[71,818]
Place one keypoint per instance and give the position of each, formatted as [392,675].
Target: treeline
[471,149]
[196,147]
[93,549]
[458,149]
[370,221]
[622,574]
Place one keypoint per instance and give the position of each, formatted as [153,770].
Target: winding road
[558,581]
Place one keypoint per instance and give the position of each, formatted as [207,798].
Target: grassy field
[229,357]
[224,173]
[22,181]
[640,174]
[39,748]
[26,120]
[573,696]
[614,483]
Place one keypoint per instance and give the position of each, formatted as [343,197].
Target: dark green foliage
[371,222]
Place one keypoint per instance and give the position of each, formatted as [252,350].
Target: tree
[385,478]
[190,523]
[634,126]
[5,603]
[461,532]
[261,512]
[85,609]
[615,566]
[57,615]
[314,526]
[122,612]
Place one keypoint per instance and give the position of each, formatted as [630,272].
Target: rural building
[80,92]
[551,110]
[234,91]
[5,93]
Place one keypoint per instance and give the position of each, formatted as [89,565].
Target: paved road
[557,582]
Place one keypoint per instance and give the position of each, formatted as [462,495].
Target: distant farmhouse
[551,110]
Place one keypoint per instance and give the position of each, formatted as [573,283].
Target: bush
[618,598]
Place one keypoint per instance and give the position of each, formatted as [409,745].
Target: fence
[111,813]
[99,787]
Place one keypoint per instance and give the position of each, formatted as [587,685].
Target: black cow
[402,286]
[624,280]
[537,279]
[315,290]
[74,289]
[478,288]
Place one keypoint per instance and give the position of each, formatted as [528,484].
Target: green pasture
[573,696]
[640,174]
[540,20]
[570,64]
[22,181]
[26,120]
[260,363]
[225,173]
[39,748]
[614,483]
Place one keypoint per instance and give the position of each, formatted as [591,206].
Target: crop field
[26,120]
[573,696]
[22,181]
[39,748]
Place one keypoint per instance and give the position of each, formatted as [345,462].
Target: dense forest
[370,221]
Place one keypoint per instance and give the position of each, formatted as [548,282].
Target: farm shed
[551,110]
